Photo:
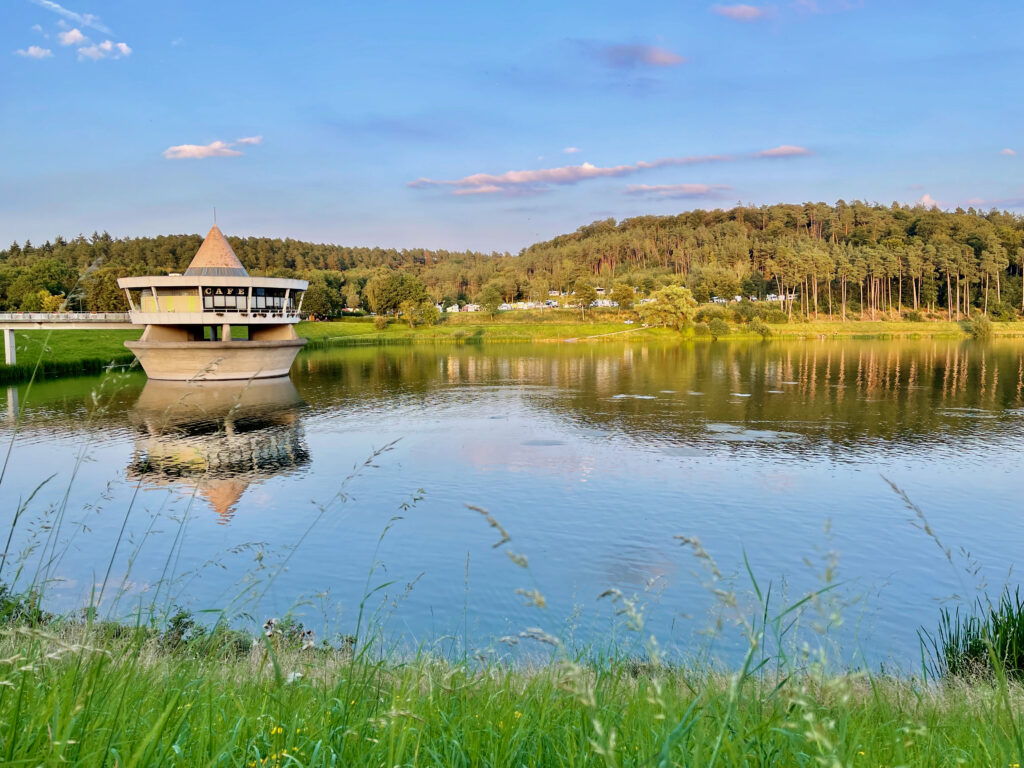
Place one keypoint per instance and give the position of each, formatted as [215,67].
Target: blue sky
[488,125]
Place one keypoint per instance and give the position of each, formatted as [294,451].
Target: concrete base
[216,360]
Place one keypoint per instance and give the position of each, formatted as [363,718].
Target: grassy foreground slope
[102,698]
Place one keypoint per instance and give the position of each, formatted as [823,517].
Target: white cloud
[178,41]
[571,150]
[34,52]
[85,19]
[537,180]
[72,37]
[108,49]
[1008,152]
[675,190]
[740,12]
[38,28]
[786,150]
[929,202]
[213,149]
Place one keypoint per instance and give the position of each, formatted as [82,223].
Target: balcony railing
[64,317]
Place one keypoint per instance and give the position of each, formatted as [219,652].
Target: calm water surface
[593,458]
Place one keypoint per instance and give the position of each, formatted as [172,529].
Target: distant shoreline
[77,353]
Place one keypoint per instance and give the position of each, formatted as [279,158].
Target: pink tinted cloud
[786,150]
[740,12]
[1008,152]
[200,151]
[250,140]
[540,178]
[633,56]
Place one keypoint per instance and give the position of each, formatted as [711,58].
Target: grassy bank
[64,353]
[105,696]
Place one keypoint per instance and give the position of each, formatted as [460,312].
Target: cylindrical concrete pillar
[10,353]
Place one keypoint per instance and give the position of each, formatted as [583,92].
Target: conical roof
[215,258]
[224,496]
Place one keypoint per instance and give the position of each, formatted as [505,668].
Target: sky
[490,125]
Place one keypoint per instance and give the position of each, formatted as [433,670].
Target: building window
[224,299]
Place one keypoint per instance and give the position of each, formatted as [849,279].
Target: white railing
[64,317]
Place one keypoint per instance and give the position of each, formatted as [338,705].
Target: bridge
[57,321]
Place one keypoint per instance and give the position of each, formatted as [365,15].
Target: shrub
[711,312]
[718,327]
[701,330]
[776,317]
[760,327]
[913,316]
[980,327]
[746,311]
[989,639]
[1001,312]
[380,322]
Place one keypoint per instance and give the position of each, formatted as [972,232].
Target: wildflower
[518,714]
[276,730]
[308,640]
[269,626]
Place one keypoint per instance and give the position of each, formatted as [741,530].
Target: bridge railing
[64,317]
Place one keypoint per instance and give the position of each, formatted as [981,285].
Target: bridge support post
[10,353]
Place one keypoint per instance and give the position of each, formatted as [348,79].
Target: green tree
[101,293]
[321,298]
[387,289]
[490,298]
[585,295]
[623,295]
[672,306]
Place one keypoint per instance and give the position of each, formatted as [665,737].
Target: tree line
[843,261]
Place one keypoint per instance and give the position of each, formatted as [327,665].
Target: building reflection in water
[217,438]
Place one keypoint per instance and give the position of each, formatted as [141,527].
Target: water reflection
[217,438]
[848,399]
[594,457]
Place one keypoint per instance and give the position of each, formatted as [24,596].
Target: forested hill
[856,254]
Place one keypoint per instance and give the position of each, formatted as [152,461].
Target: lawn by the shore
[70,347]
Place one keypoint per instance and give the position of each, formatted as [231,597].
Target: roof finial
[215,215]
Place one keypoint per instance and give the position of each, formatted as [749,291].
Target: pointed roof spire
[216,258]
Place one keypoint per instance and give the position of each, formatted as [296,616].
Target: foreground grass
[70,694]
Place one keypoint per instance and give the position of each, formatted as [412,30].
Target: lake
[595,459]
